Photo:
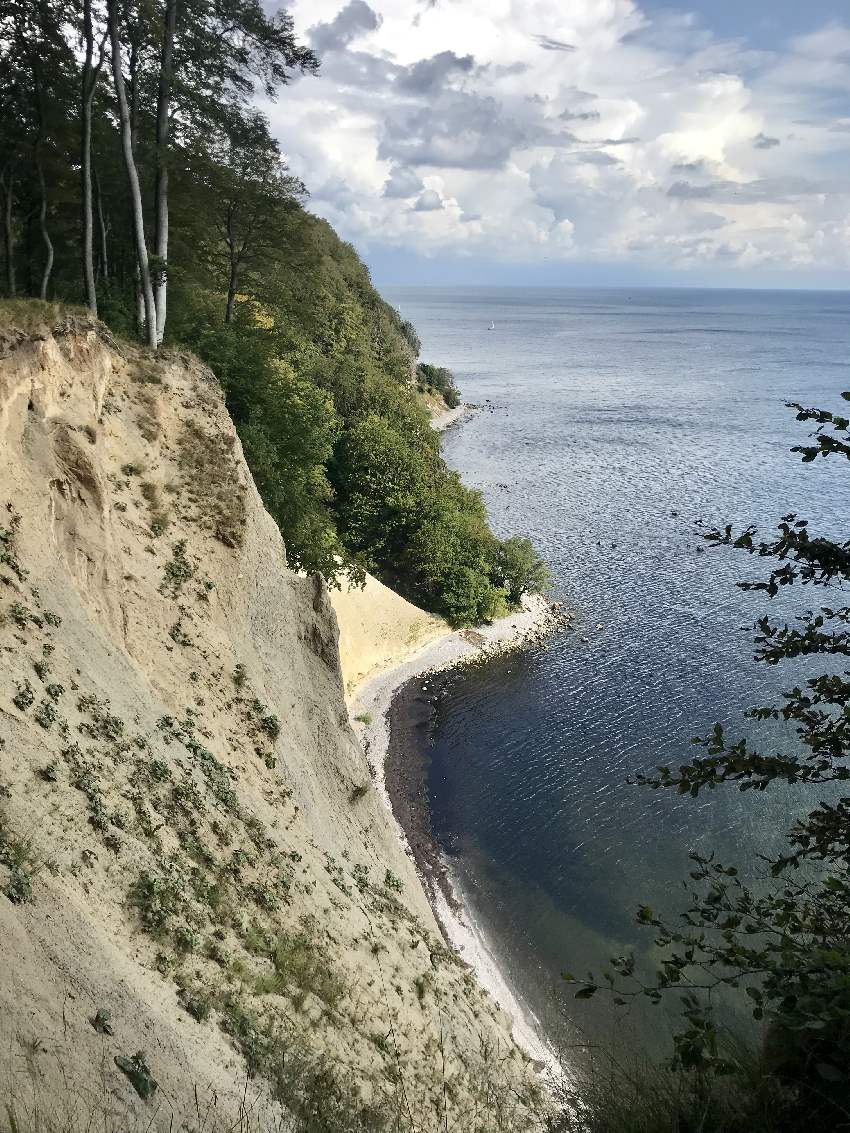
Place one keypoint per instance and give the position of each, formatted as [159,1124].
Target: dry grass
[210,478]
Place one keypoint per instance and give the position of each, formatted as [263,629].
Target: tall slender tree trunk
[42,224]
[231,297]
[132,178]
[89,81]
[233,272]
[35,70]
[88,223]
[103,257]
[163,112]
[7,180]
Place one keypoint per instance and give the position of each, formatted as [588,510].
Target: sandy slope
[189,836]
[378,629]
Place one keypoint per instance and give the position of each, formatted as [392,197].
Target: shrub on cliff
[437,379]
[519,569]
[287,426]
[406,517]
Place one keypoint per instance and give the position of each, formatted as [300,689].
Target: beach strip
[386,710]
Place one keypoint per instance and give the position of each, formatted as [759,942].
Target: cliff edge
[205,911]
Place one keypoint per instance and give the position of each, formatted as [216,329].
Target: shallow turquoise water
[612,421]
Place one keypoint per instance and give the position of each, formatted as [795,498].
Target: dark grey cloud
[748,192]
[690,167]
[462,130]
[453,128]
[764,141]
[428,201]
[549,44]
[579,115]
[432,74]
[361,71]
[598,157]
[707,221]
[355,19]
[402,182]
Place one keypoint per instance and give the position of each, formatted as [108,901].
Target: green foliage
[607,1095]
[440,380]
[408,330]
[520,569]
[9,546]
[21,865]
[784,948]
[409,519]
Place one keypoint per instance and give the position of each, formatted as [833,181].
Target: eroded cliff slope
[199,886]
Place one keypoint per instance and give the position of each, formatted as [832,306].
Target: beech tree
[133,186]
[37,63]
[90,72]
[183,74]
[211,57]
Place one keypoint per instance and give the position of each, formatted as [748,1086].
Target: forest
[138,179]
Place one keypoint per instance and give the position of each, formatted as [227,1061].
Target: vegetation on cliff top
[136,176]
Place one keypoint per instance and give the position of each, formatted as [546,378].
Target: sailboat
[492,325]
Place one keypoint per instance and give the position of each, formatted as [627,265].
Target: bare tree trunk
[89,82]
[7,180]
[140,303]
[45,235]
[35,69]
[85,164]
[234,266]
[231,297]
[132,178]
[163,111]
[103,258]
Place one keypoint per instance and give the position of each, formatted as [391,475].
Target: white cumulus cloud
[532,130]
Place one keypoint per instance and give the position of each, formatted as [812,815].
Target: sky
[577,142]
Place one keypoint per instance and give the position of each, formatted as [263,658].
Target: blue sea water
[611,421]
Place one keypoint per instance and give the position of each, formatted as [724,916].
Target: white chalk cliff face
[195,868]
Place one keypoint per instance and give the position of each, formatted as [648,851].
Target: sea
[611,423]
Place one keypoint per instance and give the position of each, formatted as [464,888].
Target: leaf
[586,992]
[830,1073]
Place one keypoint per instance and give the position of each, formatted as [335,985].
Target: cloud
[598,157]
[354,20]
[453,129]
[428,201]
[549,44]
[402,182]
[584,131]
[579,115]
[773,189]
[429,75]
